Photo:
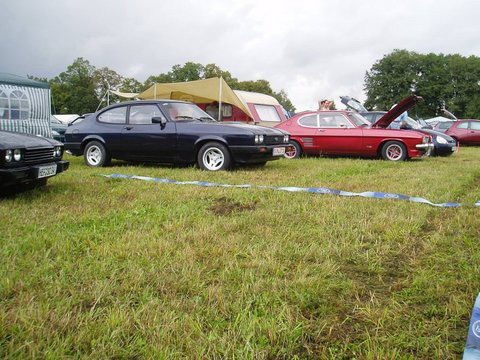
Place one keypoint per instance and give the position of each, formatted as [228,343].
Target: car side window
[475,125]
[463,125]
[142,114]
[114,116]
[334,121]
[310,121]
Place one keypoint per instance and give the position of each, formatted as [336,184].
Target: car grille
[38,155]
[273,139]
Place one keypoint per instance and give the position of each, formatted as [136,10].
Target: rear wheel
[214,156]
[96,155]
[295,153]
[394,151]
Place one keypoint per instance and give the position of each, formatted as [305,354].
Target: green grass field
[101,268]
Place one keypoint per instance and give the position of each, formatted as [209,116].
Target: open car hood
[396,111]
[353,104]
[449,114]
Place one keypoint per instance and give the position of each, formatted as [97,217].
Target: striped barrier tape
[313,190]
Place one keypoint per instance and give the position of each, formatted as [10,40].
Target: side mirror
[159,120]
[405,126]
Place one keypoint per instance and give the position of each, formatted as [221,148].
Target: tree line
[444,81]
[80,88]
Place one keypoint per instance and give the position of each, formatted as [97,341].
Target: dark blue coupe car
[168,131]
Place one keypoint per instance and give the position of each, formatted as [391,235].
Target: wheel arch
[90,138]
[203,140]
[384,141]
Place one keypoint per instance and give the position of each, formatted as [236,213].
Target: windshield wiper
[183,117]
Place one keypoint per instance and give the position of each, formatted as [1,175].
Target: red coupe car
[348,133]
[467,132]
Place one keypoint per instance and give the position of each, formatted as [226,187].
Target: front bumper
[252,154]
[425,148]
[26,174]
[444,149]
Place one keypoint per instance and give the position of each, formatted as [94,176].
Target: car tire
[394,151]
[96,155]
[214,156]
[296,153]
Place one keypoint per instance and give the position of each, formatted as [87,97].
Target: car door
[146,140]
[337,135]
[474,129]
[109,126]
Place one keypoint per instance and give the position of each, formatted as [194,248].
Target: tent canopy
[198,91]
[256,98]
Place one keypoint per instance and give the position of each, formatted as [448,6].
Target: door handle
[321,130]
[128,127]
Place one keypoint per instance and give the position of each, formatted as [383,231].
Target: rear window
[267,113]
[114,116]
[310,121]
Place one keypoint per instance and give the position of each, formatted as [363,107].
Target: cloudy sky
[310,48]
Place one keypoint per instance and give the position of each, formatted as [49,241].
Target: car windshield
[185,111]
[412,123]
[359,120]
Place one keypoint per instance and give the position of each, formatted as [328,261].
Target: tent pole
[220,101]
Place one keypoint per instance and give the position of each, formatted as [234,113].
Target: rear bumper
[28,174]
[256,153]
[74,148]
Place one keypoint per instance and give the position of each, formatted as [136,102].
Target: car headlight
[426,139]
[17,154]
[258,139]
[286,138]
[8,155]
[441,140]
[57,151]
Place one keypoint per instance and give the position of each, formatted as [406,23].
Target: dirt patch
[224,206]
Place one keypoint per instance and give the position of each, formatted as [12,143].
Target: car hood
[397,110]
[436,133]
[254,129]
[353,104]
[10,140]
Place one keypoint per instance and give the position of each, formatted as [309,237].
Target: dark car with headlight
[168,131]
[29,159]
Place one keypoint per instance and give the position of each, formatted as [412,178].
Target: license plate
[46,171]
[278,151]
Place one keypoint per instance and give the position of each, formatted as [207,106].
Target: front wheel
[214,156]
[394,151]
[96,155]
[295,153]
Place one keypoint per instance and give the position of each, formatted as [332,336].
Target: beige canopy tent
[198,91]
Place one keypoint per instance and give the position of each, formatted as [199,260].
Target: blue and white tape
[472,347]
[313,190]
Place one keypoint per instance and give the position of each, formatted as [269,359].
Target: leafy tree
[450,81]
[131,85]
[74,89]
